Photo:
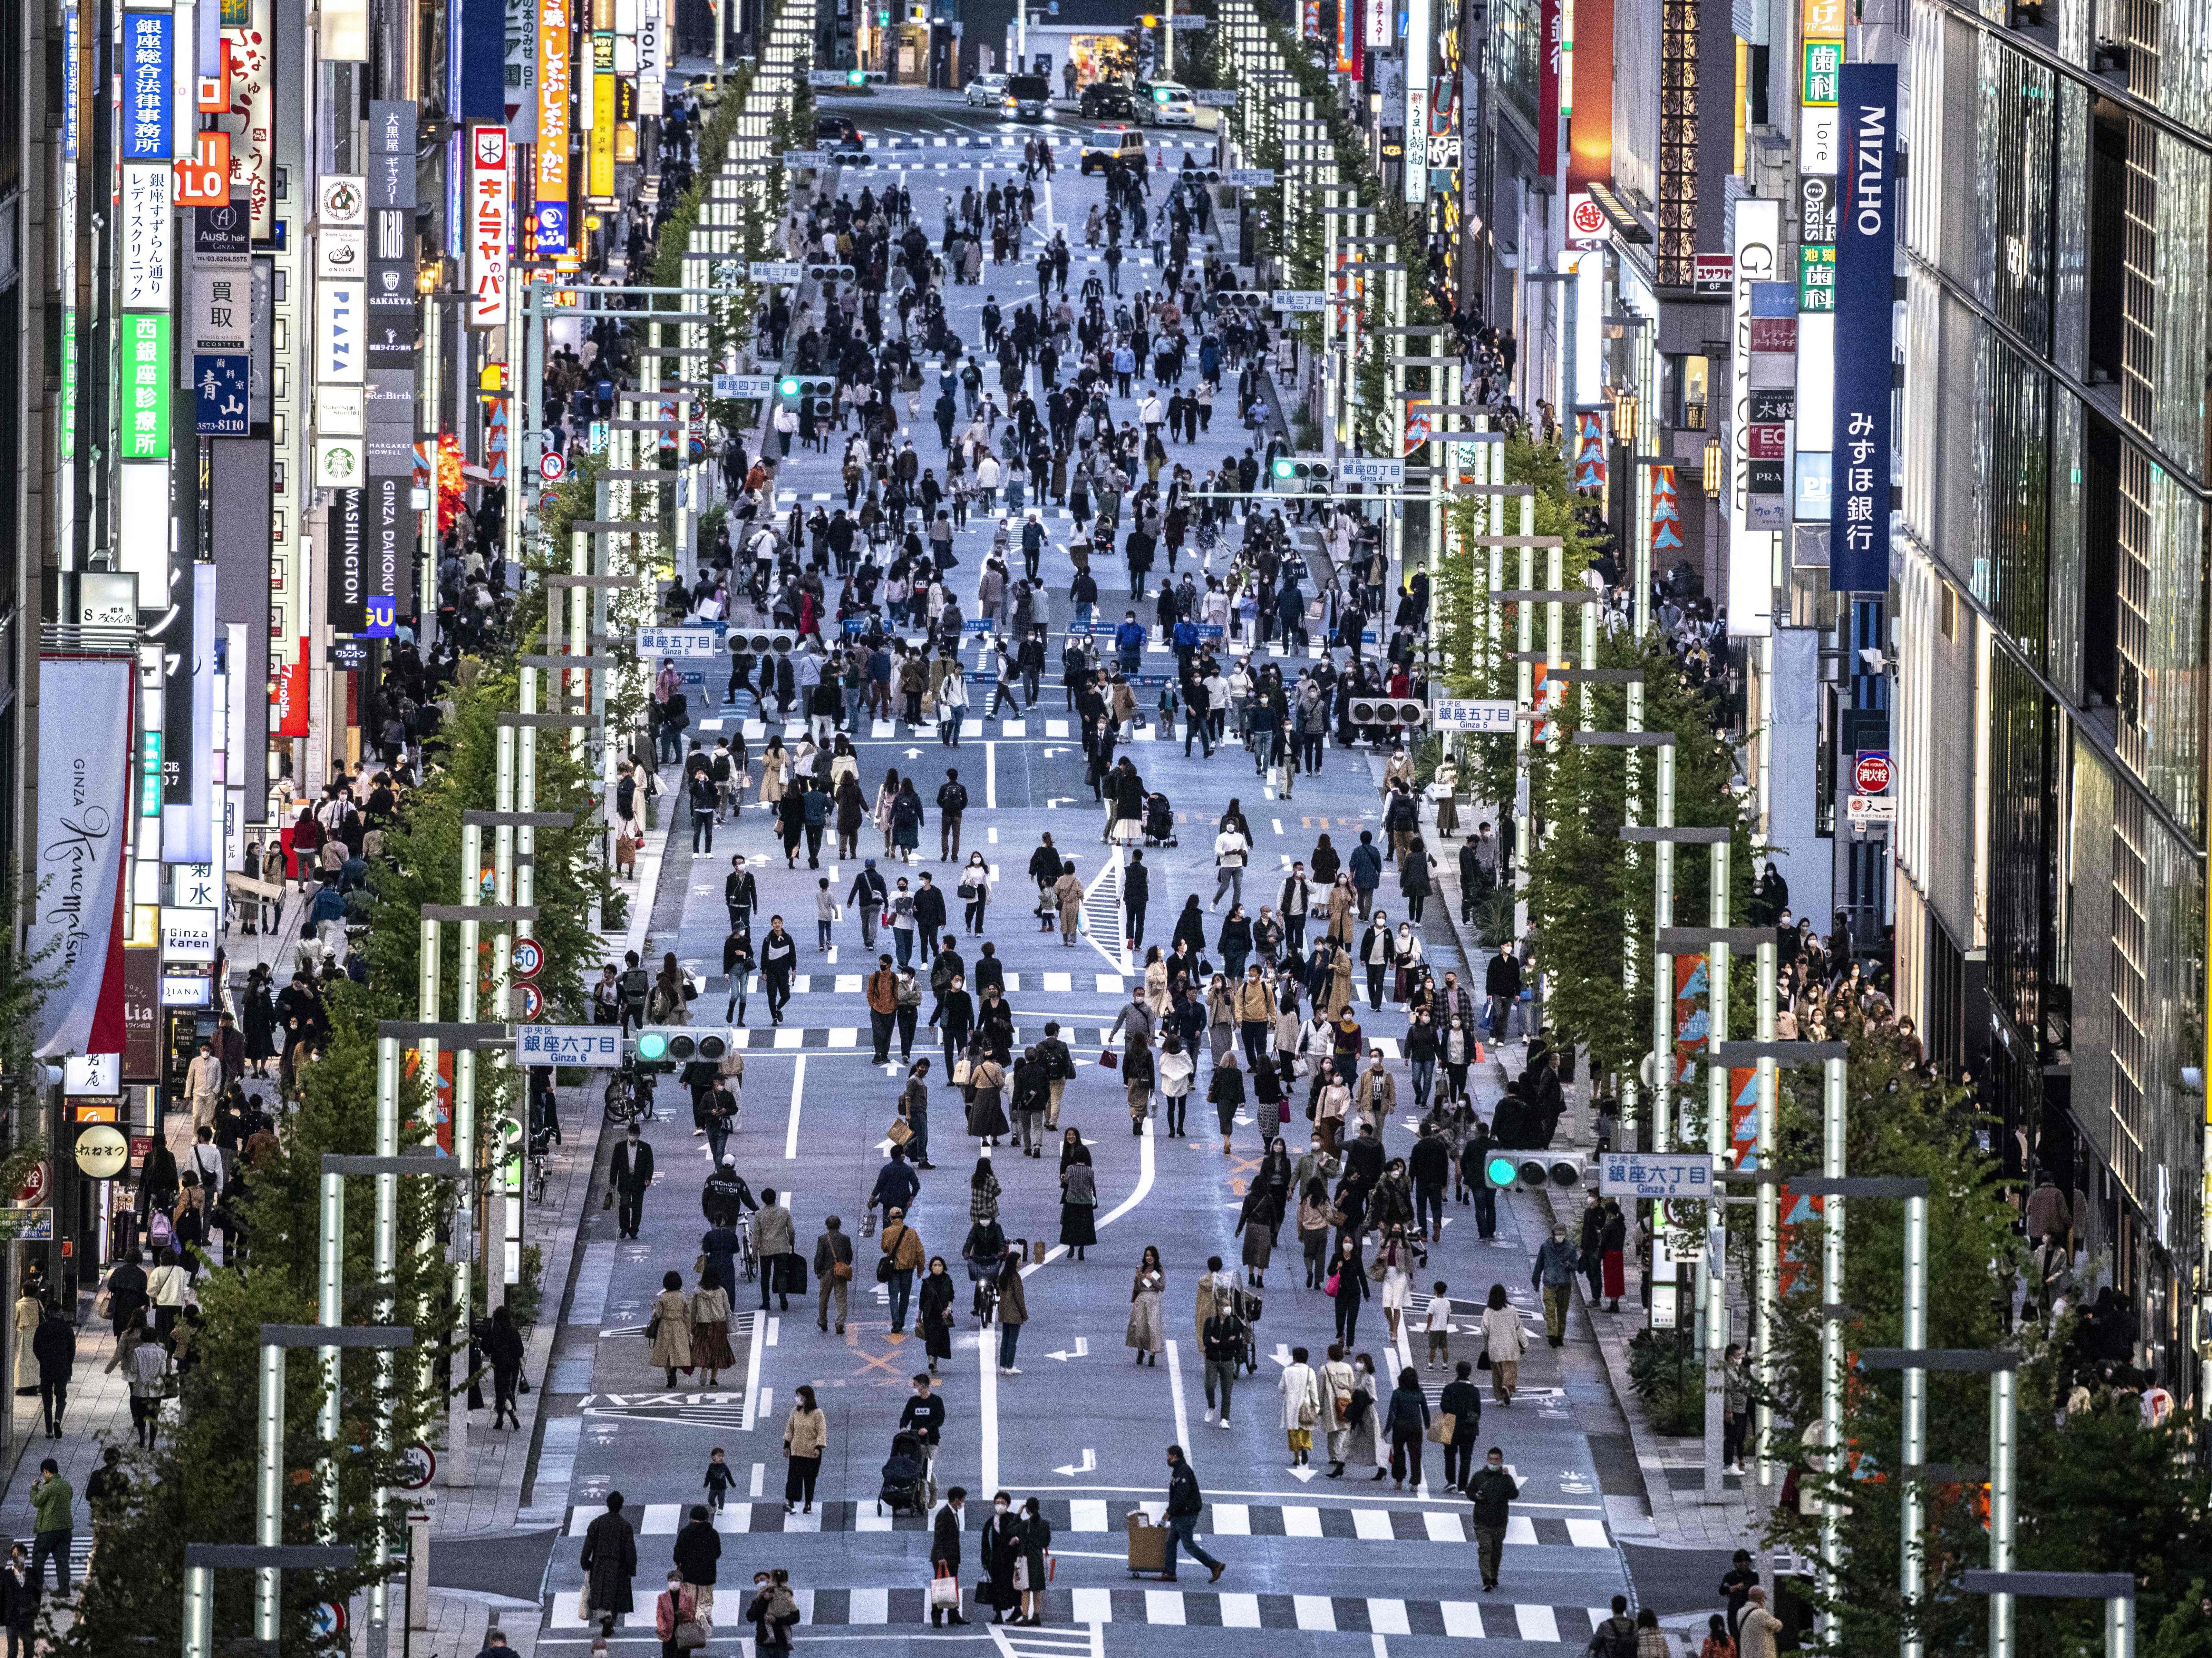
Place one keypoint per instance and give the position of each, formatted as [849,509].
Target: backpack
[1615,1638]
[159,1232]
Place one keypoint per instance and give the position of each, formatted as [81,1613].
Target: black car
[1108,101]
[838,132]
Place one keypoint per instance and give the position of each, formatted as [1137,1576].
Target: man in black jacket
[944,1551]
[779,954]
[951,801]
[740,894]
[1136,893]
[1463,1402]
[629,1173]
[1429,1164]
[1059,1071]
[928,914]
[698,1551]
[1184,1505]
[1501,982]
[1490,1489]
[869,898]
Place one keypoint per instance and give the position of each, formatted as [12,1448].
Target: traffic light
[675,1046]
[1505,1171]
[1401,712]
[859,77]
[829,273]
[810,396]
[1315,475]
[1160,94]
[761,640]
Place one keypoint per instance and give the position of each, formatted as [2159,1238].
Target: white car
[1166,103]
[985,91]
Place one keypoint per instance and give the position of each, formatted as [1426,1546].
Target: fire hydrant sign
[488,204]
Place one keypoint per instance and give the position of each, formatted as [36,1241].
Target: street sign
[101,1151]
[92,1073]
[1872,774]
[596,1047]
[1367,469]
[1864,809]
[327,1618]
[1190,20]
[683,644]
[1214,97]
[1248,178]
[423,1463]
[826,77]
[774,271]
[758,387]
[527,1003]
[1493,714]
[551,466]
[29,1225]
[806,160]
[1301,299]
[1661,1175]
[527,956]
[36,1183]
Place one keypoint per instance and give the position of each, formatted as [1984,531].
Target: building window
[1678,143]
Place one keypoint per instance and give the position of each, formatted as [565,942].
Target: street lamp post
[203,1560]
[269,1474]
[2117,1589]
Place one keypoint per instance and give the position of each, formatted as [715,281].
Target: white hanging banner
[148,264]
[85,727]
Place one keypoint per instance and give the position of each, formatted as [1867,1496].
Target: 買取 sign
[596,1046]
[1656,1175]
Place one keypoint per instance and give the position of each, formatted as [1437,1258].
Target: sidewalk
[1680,1516]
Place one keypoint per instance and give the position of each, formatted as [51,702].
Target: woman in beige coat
[1146,1334]
[884,797]
[776,767]
[1069,890]
[1505,1341]
[805,1436]
[1343,908]
[1156,983]
[669,1328]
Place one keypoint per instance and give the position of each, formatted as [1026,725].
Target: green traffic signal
[855,77]
[1159,95]
[1501,1171]
[1285,466]
[789,386]
[652,1044]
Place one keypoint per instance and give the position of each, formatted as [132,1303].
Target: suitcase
[1148,1544]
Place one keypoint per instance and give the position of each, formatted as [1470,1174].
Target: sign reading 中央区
[596,1046]
[1368,469]
[1858,524]
[145,387]
[1661,1175]
[488,205]
[1491,714]
[682,644]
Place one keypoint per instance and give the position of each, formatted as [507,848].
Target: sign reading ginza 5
[1866,244]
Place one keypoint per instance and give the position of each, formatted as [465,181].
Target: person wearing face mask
[1553,1273]
[1491,1490]
[1000,1546]
[675,1609]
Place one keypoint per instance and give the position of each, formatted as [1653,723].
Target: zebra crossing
[1467,1620]
[1099,1517]
[834,1038]
[853,984]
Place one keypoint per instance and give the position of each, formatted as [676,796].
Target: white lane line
[755,1344]
[1174,1386]
[986,1359]
[798,1086]
[760,1470]
[991,777]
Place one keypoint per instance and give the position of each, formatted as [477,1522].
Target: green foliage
[1664,1372]
[2100,1493]
[525,1298]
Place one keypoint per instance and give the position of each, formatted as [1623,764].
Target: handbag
[883,1269]
[944,1589]
[1022,1574]
[1282,1111]
[1482,1360]
[1442,1426]
[1309,1412]
[103,1304]
[694,1632]
[900,1132]
[1110,1060]
[1376,1269]
[841,1270]
[1334,1280]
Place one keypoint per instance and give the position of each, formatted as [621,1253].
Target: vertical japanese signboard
[1858,524]
[145,388]
[551,194]
[1757,233]
[1549,49]
[488,206]
[246,39]
[148,81]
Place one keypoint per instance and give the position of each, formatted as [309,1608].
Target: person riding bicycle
[726,1197]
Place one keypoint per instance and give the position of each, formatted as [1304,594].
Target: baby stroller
[1159,820]
[1249,1306]
[906,1477]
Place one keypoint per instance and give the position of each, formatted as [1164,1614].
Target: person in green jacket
[52,1502]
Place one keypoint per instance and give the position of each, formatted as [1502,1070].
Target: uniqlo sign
[487,214]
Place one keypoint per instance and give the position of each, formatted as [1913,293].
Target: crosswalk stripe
[1372,1524]
[1172,1608]
[1301,1521]
[1585,1533]
[1232,1519]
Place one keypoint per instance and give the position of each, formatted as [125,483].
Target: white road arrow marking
[1069,1470]
[1082,1349]
[1300,1474]
[914,754]
[1282,1353]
